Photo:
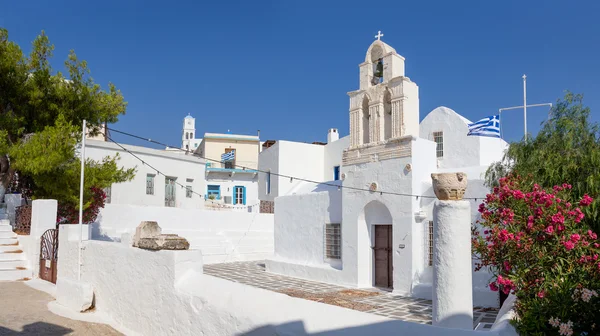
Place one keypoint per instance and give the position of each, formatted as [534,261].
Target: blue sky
[284,67]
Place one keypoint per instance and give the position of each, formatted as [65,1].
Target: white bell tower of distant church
[189,133]
[386,105]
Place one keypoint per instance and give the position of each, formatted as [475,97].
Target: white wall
[223,236]
[172,164]
[291,159]
[333,156]
[300,234]
[460,150]
[165,293]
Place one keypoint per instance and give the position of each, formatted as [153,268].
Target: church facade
[374,228]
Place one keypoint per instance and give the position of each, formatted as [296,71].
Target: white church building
[373,227]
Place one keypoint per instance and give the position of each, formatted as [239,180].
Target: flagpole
[81,186]
[525,105]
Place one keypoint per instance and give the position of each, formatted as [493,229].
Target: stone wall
[267,207]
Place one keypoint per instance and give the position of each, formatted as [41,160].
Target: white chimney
[333,135]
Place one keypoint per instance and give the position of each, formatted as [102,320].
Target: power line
[158,172]
[283,175]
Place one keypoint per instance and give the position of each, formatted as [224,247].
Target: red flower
[569,245]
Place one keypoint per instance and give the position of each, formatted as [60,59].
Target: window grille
[430,263]
[438,137]
[333,241]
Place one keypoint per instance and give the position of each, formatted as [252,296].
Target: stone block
[146,229]
[76,295]
[164,242]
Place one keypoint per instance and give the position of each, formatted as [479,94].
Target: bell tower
[189,132]
[385,108]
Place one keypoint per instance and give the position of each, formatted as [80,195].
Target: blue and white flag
[230,156]
[488,127]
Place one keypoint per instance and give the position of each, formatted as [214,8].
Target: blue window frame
[268,182]
[239,195]
[336,173]
[213,190]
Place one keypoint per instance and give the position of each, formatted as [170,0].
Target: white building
[147,187]
[290,158]
[373,238]
[188,134]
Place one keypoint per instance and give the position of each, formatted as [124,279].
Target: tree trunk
[6,174]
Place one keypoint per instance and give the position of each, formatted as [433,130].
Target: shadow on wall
[99,235]
[37,328]
[393,327]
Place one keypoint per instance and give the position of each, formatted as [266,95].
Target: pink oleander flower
[541,294]
[493,287]
[569,245]
[575,237]
[592,235]
[554,321]
[506,266]
[558,218]
[566,329]
[518,194]
[549,229]
[586,200]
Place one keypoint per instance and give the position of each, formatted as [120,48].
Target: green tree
[566,150]
[41,115]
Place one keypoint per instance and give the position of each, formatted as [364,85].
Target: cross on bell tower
[379,35]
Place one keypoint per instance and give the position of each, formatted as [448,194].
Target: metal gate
[49,255]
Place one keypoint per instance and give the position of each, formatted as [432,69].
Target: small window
[150,184]
[188,188]
[430,262]
[213,192]
[336,173]
[268,182]
[333,241]
[107,191]
[438,137]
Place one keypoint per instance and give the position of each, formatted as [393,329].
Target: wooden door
[383,256]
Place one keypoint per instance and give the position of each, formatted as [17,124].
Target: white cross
[379,35]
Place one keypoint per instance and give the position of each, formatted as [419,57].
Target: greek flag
[488,127]
[228,156]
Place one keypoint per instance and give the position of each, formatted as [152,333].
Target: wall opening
[374,213]
[387,115]
[365,121]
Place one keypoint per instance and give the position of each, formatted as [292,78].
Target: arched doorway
[376,245]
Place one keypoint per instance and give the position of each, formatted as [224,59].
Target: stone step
[10,249]
[12,256]
[9,241]
[14,263]
[7,234]
[5,226]
[12,274]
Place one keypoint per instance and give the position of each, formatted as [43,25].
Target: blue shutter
[244,195]
[336,173]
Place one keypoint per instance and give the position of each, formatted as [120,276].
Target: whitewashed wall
[292,159]
[223,236]
[173,164]
[333,156]
[191,303]
[460,150]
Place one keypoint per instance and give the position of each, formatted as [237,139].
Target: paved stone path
[383,303]
[24,312]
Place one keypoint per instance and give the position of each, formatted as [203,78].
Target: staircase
[13,264]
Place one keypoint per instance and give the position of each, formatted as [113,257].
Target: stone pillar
[374,123]
[452,269]
[396,118]
[355,124]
